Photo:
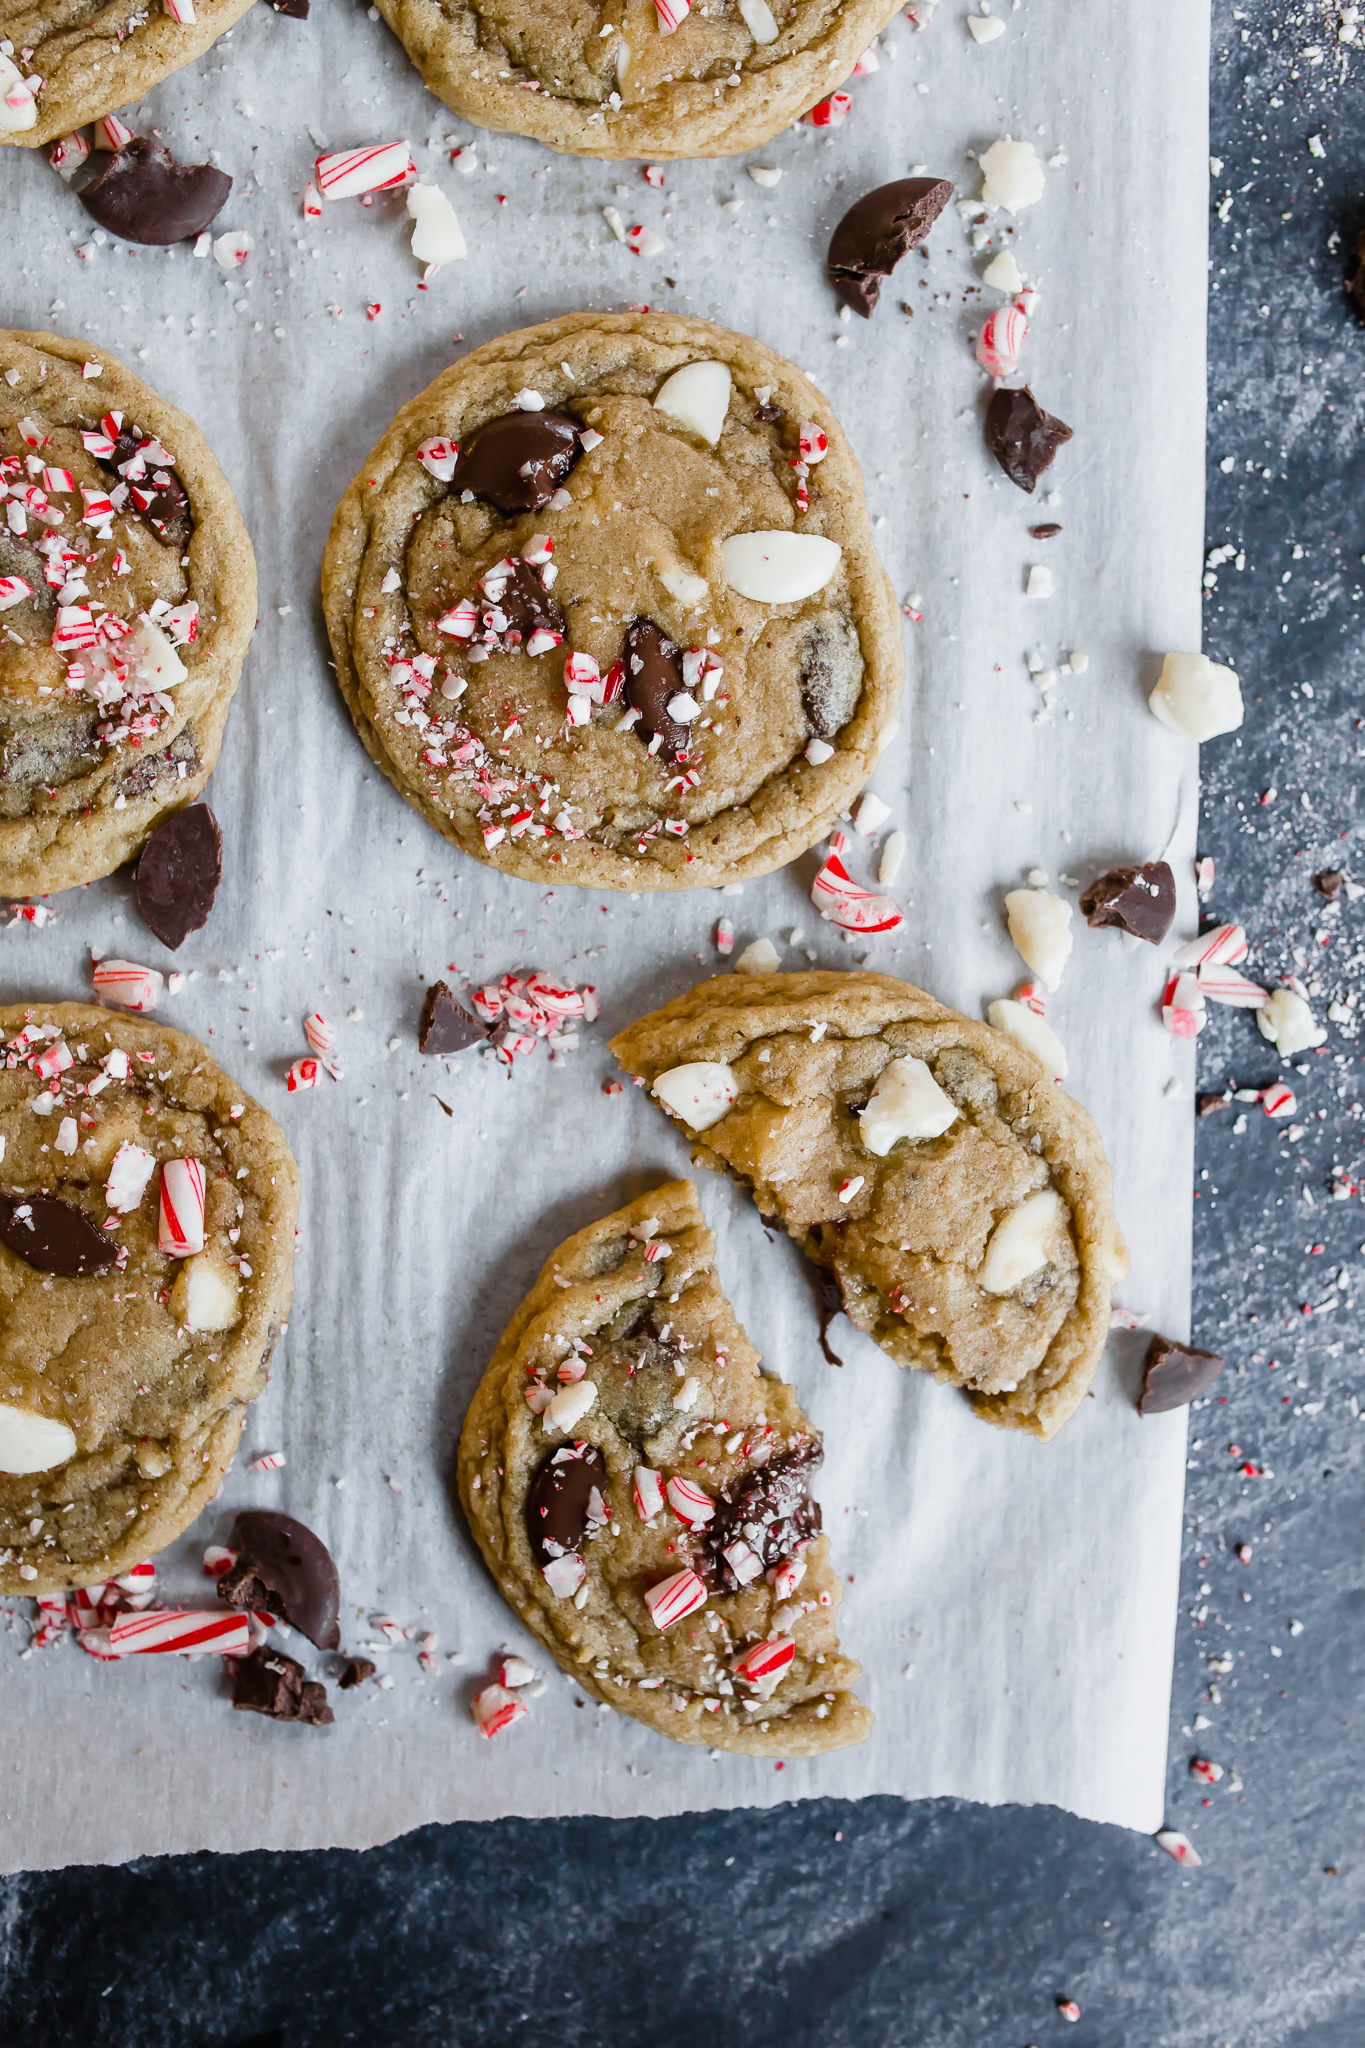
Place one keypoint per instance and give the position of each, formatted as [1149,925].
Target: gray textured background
[942,1924]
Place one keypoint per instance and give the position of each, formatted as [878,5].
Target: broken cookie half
[960,1200]
[641,1494]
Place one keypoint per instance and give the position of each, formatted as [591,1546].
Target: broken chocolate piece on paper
[1140,900]
[1330,883]
[1048,532]
[354,1672]
[557,1504]
[268,1682]
[1210,1103]
[297,10]
[1174,1374]
[143,195]
[178,873]
[877,231]
[54,1236]
[446,1027]
[283,1568]
[1021,436]
[517,462]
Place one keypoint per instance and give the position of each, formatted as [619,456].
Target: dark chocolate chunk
[1356,284]
[525,603]
[517,462]
[1174,1374]
[1048,532]
[297,10]
[771,1510]
[1330,883]
[285,1569]
[653,678]
[354,1672]
[1022,437]
[54,1236]
[1140,900]
[831,673]
[165,766]
[268,1682]
[771,414]
[144,195]
[446,1026]
[161,499]
[557,1504]
[1209,1104]
[877,231]
[178,873]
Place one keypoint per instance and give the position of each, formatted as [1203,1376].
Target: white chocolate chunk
[779,568]
[907,1102]
[893,853]
[1031,1031]
[1289,1024]
[758,19]
[1002,273]
[436,236]
[1013,175]
[151,656]
[1040,928]
[1196,696]
[699,1093]
[688,589]
[33,1443]
[760,958]
[570,1405]
[985,27]
[17,108]
[1022,1242]
[204,1296]
[699,396]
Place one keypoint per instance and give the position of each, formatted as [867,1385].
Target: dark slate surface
[943,1924]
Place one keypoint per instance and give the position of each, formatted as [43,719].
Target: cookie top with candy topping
[642,1495]
[127,598]
[72,65]
[606,608]
[652,78]
[960,1199]
[147,1210]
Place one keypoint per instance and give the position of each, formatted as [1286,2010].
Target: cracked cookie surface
[625,1384]
[443,608]
[960,1199]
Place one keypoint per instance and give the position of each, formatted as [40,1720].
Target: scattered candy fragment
[830,113]
[1289,1024]
[674,1598]
[495,1708]
[181,1223]
[1002,336]
[130,986]
[1039,925]
[1178,1846]
[436,234]
[346,173]
[305,1073]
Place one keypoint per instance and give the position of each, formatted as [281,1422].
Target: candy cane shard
[1000,341]
[1224,946]
[1226,985]
[346,173]
[181,1226]
[674,1598]
[163,1630]
[129,1173]
[130,986]
[764,1664]
[841,901]
[495,1708]
[689,1502]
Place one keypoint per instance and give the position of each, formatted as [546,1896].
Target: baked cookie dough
[603,643]
[127,598]
[960,1200]
[612,81]
[641,1494]
[126,1369]
[92,60]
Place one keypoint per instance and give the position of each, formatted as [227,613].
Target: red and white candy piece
[814,442]
[1178,1846]
[495,1708]
[438,457]
[13,590]
[1205,1773]
[306,1073]
[642,241]
[688,1501]
[131,1169]
[218,1560]
[765,1663]
[54,1060]
[1224,946]
[674,1598]
[671,14]
[1001,339]
[130,986]
[841,901]
[320,1034]
[137,1578]
[68,153]
[745,1563]
[312,202]
[564,1575]
[180,1232]
[180,10]
[269,1461]
[1226,985]
[560,998]
[161,1630]
[787,1576]
[346,173]
[1182,1006]
[513,1672]
[648,1492]
[1279,1100]
[830,113]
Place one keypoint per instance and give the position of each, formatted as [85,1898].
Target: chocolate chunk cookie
[619,82]
[642,1495]
[127,598]
[92,60]
[147,1210]
[960,1200]
[605,606]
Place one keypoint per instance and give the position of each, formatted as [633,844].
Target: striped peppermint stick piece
[13,590]
[68,153]
[162,1630]
[269,1461]
[671,14]
[346,173]
[1179,1846]
[765,1663]
[320,1034]
[303,1074]
[648,1492]
[1000,341]
[137,1579]
[181,1229]
[673,1599]
[841,901]
[1226,985]
[1222,947]
[689,1503]
[746,1564]
[130,986]
[1279,1100]
[495,1708]
[180,10]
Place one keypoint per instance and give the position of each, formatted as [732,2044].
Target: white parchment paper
[1012,1603]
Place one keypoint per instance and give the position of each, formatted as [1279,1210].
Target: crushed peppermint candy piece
[1000,341]
[1178,1846]
[1224,946]
[218,1560]
[689,1502]
[181,1227]
[1279,1100]
[268,1461]
[830,113]
[129,1172]
[765,1663]
[130,986]
[671,14]
[346,173]
[495,1708]
[305,1073]
[674,1598]
[648,1492]
[643,241]
[841,901]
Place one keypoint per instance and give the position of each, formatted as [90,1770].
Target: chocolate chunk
[771,414]
[1209,1104]
[54,1236]
[355,1671]
[831,673]
[1356,284]
[154,768]
[178,873]
[446,1025]
[144,195]
[161,499]
[517,462]
[771,1510]
[1022,437]
[297,10]
[1174,1374]
[1330,883]
[877,231]
[285,1569]
[831,1299]
[557,1504]
[1140,900]
[1048,532]
[524,603]
[653,678]
[268,1682]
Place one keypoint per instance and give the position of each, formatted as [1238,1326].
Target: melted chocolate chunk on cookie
[143,195]
[285,1569]
[1174,1374]
[517,462]
[1022,437]
[268,1682]
[525,603]
[636,1375]
[654,678]
[831,673]
[830,1296]
[157,495]
[770,414]
[178,873]
[559,1502]
[54,1236]
[446,1027]
[877,231]
[174,763]
[1140,900]
[770,1509]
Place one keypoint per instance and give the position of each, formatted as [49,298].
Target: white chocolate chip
[762,957]
[33,1443]
[1196,696]
[985,27]
[893,853]
[699,396]
[570,1405]
[1022,1241]
[1031,1031]
[907,1102]
[779,567]
[1002,273]
[204,1296]
[686,1396]
[758,19]
[1040,928]
[436,236]
[1013,177]
[1289,1024]
[699,1093]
